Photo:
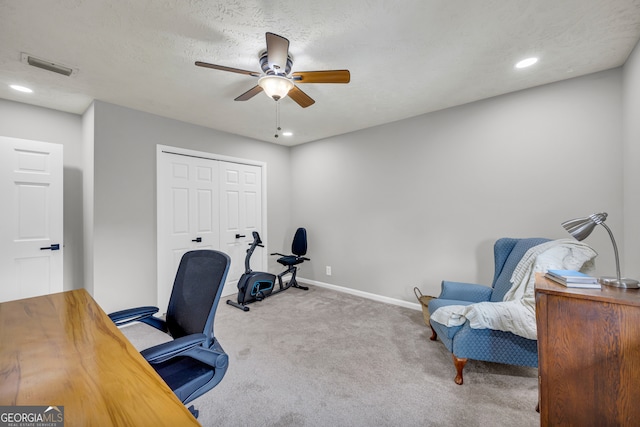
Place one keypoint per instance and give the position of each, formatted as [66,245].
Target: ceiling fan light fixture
[276,87]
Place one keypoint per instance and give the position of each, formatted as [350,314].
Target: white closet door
[31,219]
[188,215]
[240,215]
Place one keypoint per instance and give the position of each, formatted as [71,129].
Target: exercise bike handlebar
[256,238]
[252,246]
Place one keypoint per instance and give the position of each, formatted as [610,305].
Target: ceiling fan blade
[231,69]
[300,97]
[277,52]
[330,76]
[249,94]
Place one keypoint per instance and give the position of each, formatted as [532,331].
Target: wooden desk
[588,355]
[63,350]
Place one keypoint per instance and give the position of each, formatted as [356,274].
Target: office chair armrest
[278,253]
[465,291]
[132,315]
[177,347]
[213,356]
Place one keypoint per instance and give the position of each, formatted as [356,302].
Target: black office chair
[194,362]
[298,249]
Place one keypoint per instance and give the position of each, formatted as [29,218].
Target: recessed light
[21,88]
[526,62]
[287,133]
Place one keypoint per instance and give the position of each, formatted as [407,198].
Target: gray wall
[421,200]
[124,229]
[631,256]
[41,124]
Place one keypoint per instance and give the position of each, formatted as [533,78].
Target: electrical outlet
[328,270]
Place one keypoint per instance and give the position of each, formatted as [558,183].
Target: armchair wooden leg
[459,364]
[434,335]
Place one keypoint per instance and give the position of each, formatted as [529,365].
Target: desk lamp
[581,228]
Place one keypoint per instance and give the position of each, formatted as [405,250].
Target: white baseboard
[375,297]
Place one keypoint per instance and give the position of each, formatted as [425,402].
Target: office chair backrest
[196,292]
[299,245]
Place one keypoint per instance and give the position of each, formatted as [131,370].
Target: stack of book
[572,279]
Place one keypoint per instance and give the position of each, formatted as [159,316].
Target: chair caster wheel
[194,411]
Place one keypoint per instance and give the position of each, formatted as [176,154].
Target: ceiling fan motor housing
[264,64]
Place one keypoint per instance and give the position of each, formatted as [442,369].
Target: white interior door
[240,215]
[31,219]
[188,215]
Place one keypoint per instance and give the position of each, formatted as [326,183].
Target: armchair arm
[132,315]
[168,350]
[465,291]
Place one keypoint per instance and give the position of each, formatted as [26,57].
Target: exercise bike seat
[290,260]
[298,248]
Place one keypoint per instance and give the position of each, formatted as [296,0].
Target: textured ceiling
[406,58]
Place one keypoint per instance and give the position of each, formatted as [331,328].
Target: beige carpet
[324,358]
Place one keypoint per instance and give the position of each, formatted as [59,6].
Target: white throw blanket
[516,313]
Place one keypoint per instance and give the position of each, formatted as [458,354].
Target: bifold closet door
[205,203]
[240,216]
[188,213]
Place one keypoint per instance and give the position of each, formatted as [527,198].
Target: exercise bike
[257,285]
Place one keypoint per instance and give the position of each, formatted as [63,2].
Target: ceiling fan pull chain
[277,120]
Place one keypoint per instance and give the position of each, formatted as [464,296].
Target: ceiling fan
[276,79]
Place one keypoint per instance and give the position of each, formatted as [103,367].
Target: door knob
[240,235]
[197,239]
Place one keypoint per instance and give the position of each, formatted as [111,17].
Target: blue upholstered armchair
[486,344]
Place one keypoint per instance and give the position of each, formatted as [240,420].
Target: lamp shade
[581,228]
[276,87]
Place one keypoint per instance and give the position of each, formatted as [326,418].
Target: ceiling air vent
[47,65]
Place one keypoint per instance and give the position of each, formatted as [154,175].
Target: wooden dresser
[589,355]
